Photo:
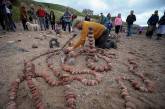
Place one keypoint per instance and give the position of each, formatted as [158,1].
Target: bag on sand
[110,44]
[53,43]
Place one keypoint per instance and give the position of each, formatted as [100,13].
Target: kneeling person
[101,34]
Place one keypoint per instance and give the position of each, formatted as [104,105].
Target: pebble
[34,46]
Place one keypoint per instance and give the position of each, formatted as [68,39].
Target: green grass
[58,14]
[16,13]
[58,9]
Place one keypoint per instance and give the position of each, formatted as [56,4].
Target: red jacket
[41,13]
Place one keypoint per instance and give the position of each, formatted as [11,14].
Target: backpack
[109,26]
[110,44]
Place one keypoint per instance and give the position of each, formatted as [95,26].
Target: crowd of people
[45,19]
[152,22]
[117,23]
[103,28]
[155,25]
[35,15]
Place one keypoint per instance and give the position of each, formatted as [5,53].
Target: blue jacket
[107,20]
[67,17]
[108,23]
[103,20]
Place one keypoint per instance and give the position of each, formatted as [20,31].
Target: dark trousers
[129,29]
[24,24]
[53,25]
[9,22]
[2,22]
[63,25]
[47,23]
[117,29]
[104,41]
[69,26]
[150,30]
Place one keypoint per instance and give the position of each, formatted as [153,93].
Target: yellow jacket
[98,29]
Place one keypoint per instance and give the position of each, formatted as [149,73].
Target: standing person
[87,18]
[130,20]
[32,14]
[23,16]
[102,19]
[47,18]
[161,28]
[62,22]
[52,20]
[74,16]
[2,13]
[41,17]
[108,22]
[118,23]
[8,16]
[152,21]
[67,19]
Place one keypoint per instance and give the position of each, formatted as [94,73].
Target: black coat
[2,9]
[153,20]
[131,19]
[52,19]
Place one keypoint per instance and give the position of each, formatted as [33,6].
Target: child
[23,16]
[118,23]
[52,20]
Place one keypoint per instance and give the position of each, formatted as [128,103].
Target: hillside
[58,9]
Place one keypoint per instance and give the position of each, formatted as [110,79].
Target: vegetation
[16,13]
[61,8]
[58,9]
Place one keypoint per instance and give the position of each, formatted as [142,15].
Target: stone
[54,43]
[34,46]
[10,42]
[20,33]
[71,61]
[11,105]
[128,98]
[130,105]
[19,40]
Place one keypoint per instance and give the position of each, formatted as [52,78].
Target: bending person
[101,34]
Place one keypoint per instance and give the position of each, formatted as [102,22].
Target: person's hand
[67,50]
[70,48]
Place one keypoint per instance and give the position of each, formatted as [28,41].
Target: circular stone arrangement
[93,55]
